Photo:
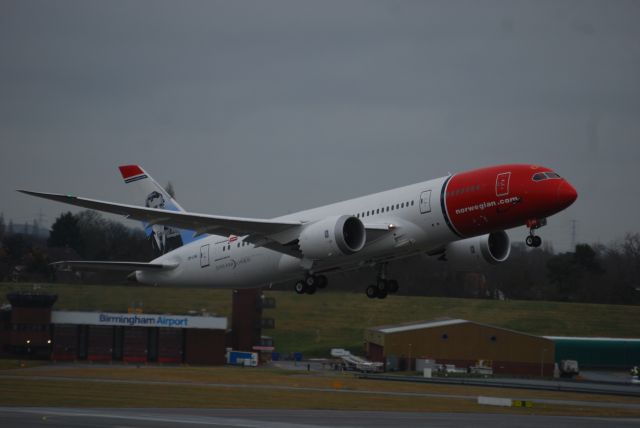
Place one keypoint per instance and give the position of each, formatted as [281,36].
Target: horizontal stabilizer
[123,266]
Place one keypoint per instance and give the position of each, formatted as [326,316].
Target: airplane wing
[123,266]
[269,231]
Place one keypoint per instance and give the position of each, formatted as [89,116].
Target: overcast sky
[260,108]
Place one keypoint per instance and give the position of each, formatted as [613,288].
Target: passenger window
[412,203]
[378,211]
[397,206]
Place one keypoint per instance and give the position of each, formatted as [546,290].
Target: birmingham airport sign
[143,320]
[137,320]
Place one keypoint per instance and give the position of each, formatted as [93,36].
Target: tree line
[86,235]
[590,273]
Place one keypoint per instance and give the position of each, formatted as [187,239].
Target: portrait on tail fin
[163,239]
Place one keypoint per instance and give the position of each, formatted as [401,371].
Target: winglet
[52,196]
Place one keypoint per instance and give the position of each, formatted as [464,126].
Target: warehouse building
[461,343]
[598,352]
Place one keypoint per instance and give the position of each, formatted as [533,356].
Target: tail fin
[148,191]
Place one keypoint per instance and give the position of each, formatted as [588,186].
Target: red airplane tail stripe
[129,171]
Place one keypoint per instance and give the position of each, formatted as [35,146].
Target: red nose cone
[566,194]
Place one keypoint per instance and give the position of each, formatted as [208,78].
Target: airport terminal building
[100,336]
[31,329]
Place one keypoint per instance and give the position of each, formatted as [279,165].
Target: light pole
[542,362]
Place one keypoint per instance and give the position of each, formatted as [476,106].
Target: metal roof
[443,322]
[595,339]
[419,325]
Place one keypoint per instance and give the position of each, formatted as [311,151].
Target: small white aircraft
[461,218]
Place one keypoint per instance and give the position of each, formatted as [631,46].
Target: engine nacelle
[332,236]
[474,252]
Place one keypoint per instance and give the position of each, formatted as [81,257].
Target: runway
[585,387]
[73,417]
[142,383]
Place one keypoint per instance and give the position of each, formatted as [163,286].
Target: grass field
[314,324]
[231,387]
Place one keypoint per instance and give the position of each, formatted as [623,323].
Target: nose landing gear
[532,240]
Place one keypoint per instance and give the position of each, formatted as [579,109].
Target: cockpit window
[539,176]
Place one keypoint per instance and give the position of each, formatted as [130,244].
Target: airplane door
[204,256]
[425,202]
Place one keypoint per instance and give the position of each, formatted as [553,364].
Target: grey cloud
[256,108]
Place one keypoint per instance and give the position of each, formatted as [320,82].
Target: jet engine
[332,236]
[472,253]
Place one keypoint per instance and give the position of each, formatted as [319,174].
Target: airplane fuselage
[419,218]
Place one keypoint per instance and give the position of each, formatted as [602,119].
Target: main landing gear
[383,285]
[310,284]
[533,240]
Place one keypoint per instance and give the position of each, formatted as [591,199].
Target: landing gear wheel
[383,285]
[529,241]
[310,289]
[392,286]
[533,241]
[372,291]
[299,287]
[382,294]
[310,281]
[321,281]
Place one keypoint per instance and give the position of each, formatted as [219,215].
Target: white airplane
[461,218]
